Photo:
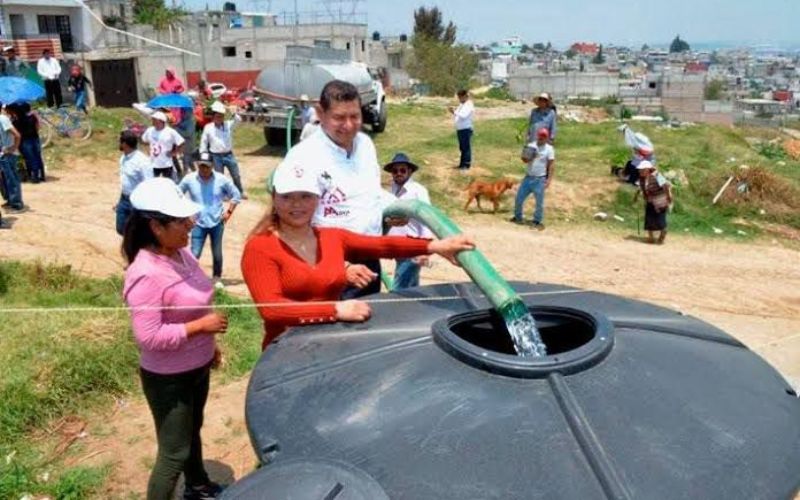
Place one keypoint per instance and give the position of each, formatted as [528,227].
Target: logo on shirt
[298,171]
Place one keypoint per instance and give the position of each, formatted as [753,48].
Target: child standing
[77,83]
[406,274]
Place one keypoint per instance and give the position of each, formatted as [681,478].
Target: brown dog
[490,190]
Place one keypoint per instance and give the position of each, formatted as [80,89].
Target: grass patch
[64,364]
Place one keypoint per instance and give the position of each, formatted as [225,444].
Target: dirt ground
[750,290]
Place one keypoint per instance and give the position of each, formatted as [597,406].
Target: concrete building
[526,82]
[230,47]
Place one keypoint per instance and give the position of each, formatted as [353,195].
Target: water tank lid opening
[576,340]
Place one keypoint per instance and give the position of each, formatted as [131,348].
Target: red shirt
[275,273]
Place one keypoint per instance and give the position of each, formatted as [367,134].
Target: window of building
[347,46]
[228,51]
[57,25]
[363,45]
[652,85]
[122,11]
[248,54]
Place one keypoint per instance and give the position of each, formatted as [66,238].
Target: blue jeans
[530,185]
[80,100]
[406,274]
[31,149]
[11,183]
[124,209]
[199,235]
[465,146]
[222,160]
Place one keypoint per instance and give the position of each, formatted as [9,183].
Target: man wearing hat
[542,116]
[538,176]
[14,65]
[165,144]
[217,141]
[406,272]
[210,189]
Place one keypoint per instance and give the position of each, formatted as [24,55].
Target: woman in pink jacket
[170,299]
[170,83]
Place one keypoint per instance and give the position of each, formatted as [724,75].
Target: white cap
[644,164]
[295,178]
[160,116]
[218,107]
[161,195]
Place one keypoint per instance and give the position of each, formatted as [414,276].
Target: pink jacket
[153,281]
[170,85]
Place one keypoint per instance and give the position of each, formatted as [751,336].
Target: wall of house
[31,24]
[525,83]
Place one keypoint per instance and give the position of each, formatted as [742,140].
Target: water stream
[522,328]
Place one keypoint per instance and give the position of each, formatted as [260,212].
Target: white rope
[84,309]
[126,33]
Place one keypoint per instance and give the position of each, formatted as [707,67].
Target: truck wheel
[380,126]
[275,136]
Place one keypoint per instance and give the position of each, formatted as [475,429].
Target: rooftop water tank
[428,401]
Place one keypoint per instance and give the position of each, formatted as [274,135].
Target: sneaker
[538,225]
[218,284]
[515,220]
[207,491]
[245,197]
[19,210]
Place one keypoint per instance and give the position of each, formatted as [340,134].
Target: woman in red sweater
[288,261]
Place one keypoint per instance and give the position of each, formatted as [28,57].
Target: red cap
[543,132]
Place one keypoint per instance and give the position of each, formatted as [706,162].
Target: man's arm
[550,170]
[235,197]
[17,139]
[204,138]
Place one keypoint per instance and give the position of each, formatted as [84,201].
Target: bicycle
[65,122]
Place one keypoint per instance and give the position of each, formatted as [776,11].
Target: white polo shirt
[411,190]
[219,139]
[352,197]
[161,143]
[463,115]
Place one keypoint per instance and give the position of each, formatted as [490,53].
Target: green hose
[497,289]
[289,127]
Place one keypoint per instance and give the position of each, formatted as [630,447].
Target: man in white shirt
[165,144]
[134,167]
[406,272]
[462,118]
[49,69]
[348,172]
[538,176]
[217,140]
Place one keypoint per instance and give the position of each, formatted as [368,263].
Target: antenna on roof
[343,10]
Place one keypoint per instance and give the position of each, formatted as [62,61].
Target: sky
[620,22]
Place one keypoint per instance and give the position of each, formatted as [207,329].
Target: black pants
[53,90]
[163,172]
[177,402]
[352,292]
[465,146]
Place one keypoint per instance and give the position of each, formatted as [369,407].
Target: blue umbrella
[171,101]
[14,89]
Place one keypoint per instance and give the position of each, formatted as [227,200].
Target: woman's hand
[449,247]
[211,323]
[353,310]
[359,275]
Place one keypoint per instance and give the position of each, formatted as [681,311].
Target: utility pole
[201,28]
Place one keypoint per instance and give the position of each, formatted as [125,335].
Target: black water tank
[426,401]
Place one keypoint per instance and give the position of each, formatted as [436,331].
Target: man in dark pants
[49,69]
[462,117]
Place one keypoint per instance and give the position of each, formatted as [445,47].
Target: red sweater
[275,273]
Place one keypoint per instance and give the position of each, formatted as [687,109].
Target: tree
[599,58]
[436,59]
[539,47]
[645,48]
[570,53]
[155,13]
[428,24]
[445,68]
[679,45]
[714,90]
